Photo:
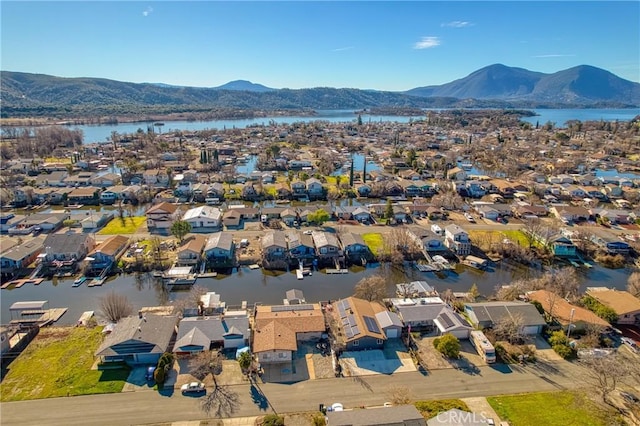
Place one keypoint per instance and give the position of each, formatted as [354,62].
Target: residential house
[20,255]
[299,188]
[326,244]
[563,247]
[364,190]
[106,180]
[614,216]
[81,179]
[314,188]
[570,214]
[140,339]
[63,252]
[203,333]
[156,178]
[361,214]
[56,179]
[487,314]
[419,314]
[399,415]
[220,248]
[274,245]
[612,190]
[108,252]
[203,219]
[487,211]
[215,190]
[161,216]
[282,191]
[415,289]
[624,304]
[39,222]
[278,329]
[190,251]
[457,174]
[457,240]
[300,246]
[353,245]
[289,216]
[294,297]
[84,195]
[359,327]
[9,220]
[232,219]
[527,210]
[569,316]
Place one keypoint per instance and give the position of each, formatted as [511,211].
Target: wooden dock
[254,266]
[20,283]
[208,275]
[48,317]
[337,271]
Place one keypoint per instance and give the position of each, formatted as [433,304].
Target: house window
[281,355]
[356,343]
[379,341]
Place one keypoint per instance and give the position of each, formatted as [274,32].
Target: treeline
[40,141]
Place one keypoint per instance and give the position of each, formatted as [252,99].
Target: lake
[102,133]
[268,288]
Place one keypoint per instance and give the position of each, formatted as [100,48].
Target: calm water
[255,286]
[102,133]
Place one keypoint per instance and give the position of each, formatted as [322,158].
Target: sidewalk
[481,406]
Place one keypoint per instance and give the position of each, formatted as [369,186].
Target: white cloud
[427,43]
[147,11]
[342,49]
[456,24]
[555,55]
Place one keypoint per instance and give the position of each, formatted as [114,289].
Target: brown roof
[562,309]
[112,245]
[163,207]
[277,330]
[622,302]
[194,243]
[363,308]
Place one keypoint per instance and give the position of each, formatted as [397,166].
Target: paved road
[148,406]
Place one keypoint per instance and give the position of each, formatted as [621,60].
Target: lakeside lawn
[58,363]
[126,225]
[549,408]
[374,241]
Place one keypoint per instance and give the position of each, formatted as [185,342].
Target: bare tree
[222,401]
[373,288]
[509,328]
[513,290]
[191,300]
[633,284]
[564,282]
[605,373]
[115,306]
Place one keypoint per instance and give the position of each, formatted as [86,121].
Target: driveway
[393,359]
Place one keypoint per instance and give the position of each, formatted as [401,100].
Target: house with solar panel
[361,324]
[278,329]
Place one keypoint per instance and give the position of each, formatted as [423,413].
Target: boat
[78,282]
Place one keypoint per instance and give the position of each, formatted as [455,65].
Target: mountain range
[494,86]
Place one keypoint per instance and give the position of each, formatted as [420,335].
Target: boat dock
[85,317]
[20,283]
[36,312]
[208,275]
[337,271]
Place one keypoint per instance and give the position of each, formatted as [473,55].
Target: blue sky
[368,45]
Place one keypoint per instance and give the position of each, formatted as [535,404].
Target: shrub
[604,312]
[430,409]
[159,375]
[318,420]
[565,351]
[273,420]
[448,345]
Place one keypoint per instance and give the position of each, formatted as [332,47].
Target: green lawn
[126,225]
[549,408]
[517,236]
[430,409]
[374,241]
[58,363]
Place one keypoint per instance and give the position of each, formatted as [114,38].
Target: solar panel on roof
[352,320]
[345,322]
[341,310]
[446,320]
[355,330]
[346,304]
[371,324]
[285,308]
[348,332]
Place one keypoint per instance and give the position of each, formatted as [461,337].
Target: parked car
[149,373]
[193,387]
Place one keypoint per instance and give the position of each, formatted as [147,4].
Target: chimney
[140,314]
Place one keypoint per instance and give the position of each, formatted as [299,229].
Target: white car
[308,232]
[193,387]
[336,406]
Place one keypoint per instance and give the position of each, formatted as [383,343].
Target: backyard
[58,363]
[374,241]
[550,408]
[125,225]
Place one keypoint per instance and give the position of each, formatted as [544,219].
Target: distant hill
[245,86]
[495,86]
[581,85]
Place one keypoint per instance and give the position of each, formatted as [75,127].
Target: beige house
[622,302]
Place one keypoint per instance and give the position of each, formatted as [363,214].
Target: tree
[448,345]
[115,306]
[633,284]
[509,328]
[319,217]
[400,395]
[474,293]
[165,364]
[192,299]
[244,360]
[222,401]
[605,373]
[180,228]
[560,344]
[373,288]
[388,210]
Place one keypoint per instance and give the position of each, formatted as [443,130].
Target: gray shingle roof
[401,415]
[151,329]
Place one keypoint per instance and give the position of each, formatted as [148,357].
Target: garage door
[392,333]
[531,330]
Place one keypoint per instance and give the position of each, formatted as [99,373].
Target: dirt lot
[433,360]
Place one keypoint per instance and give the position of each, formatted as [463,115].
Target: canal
[269,288]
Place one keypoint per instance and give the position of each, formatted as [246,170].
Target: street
[148,406]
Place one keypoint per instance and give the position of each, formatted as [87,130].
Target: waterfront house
[299,188]
[358,327]
[326,244]
[203,219]
[300,246]
[89,195]
[568,315]
[20,255]
[161,216]
[353,245]
[623,303]
[430,315]
[427,240]
[364,190]
[289,216]
[278,330]
[107,253]
[63,252]
[190,251]
[486,314]
[361,214]
[249,192]
[457,174]
[220,248]
[203,333]
[314,188]
[562,246]
[457,240]
[81,179]
[106,180]
[138,340]
[9,220]
[274,245]
[39,222]
[56,179]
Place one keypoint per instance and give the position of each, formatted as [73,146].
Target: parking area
[308,363]
[393,359]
